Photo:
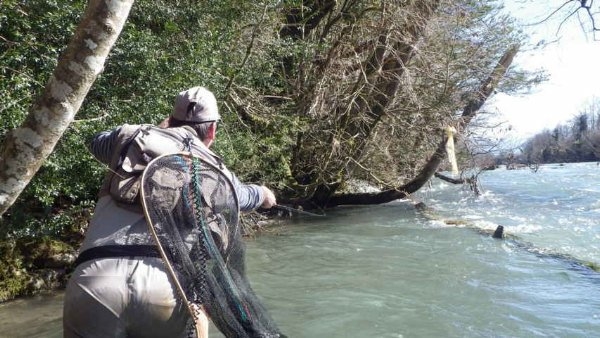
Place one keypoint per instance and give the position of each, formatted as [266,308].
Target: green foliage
[32,34]
[257,157]
[166,47]
[13,276]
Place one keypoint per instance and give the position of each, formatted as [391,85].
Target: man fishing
[120,286]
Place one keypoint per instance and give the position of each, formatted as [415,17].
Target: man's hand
[269,200]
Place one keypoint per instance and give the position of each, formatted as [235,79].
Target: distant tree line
[575,141]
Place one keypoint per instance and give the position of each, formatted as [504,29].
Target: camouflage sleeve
[103,144]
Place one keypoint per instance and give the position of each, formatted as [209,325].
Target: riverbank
[29,266]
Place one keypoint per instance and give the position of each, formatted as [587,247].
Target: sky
[572,63]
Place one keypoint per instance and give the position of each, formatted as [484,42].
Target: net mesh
[193,210]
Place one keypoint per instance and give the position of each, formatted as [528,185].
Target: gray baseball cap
[196,105]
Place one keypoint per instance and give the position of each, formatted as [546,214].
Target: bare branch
[583,5]
[551,14]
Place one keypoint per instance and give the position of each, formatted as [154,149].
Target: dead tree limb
[471,181]
[450,179]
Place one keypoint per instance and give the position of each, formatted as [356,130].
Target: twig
[248,49]
[91,119]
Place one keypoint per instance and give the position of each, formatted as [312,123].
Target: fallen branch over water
[498,233]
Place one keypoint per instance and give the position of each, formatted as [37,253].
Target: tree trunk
[469,112]
[25,148]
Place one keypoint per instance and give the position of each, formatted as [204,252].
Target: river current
[391,271]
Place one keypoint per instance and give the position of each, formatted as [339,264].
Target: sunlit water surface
[390,271]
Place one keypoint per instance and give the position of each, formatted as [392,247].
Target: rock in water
[499,233]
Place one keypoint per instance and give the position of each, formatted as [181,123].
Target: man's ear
[212,130]
[211,133]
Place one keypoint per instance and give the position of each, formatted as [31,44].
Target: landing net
[192,209]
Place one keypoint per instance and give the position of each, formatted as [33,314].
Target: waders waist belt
[116,251]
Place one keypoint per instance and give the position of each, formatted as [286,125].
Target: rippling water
[389,271]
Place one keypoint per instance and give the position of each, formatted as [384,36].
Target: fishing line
[301,212]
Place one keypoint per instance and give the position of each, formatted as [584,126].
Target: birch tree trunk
[26,147]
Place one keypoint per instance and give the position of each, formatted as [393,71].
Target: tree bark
[432,165]
[26,147]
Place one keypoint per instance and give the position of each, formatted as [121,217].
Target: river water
[390,271]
